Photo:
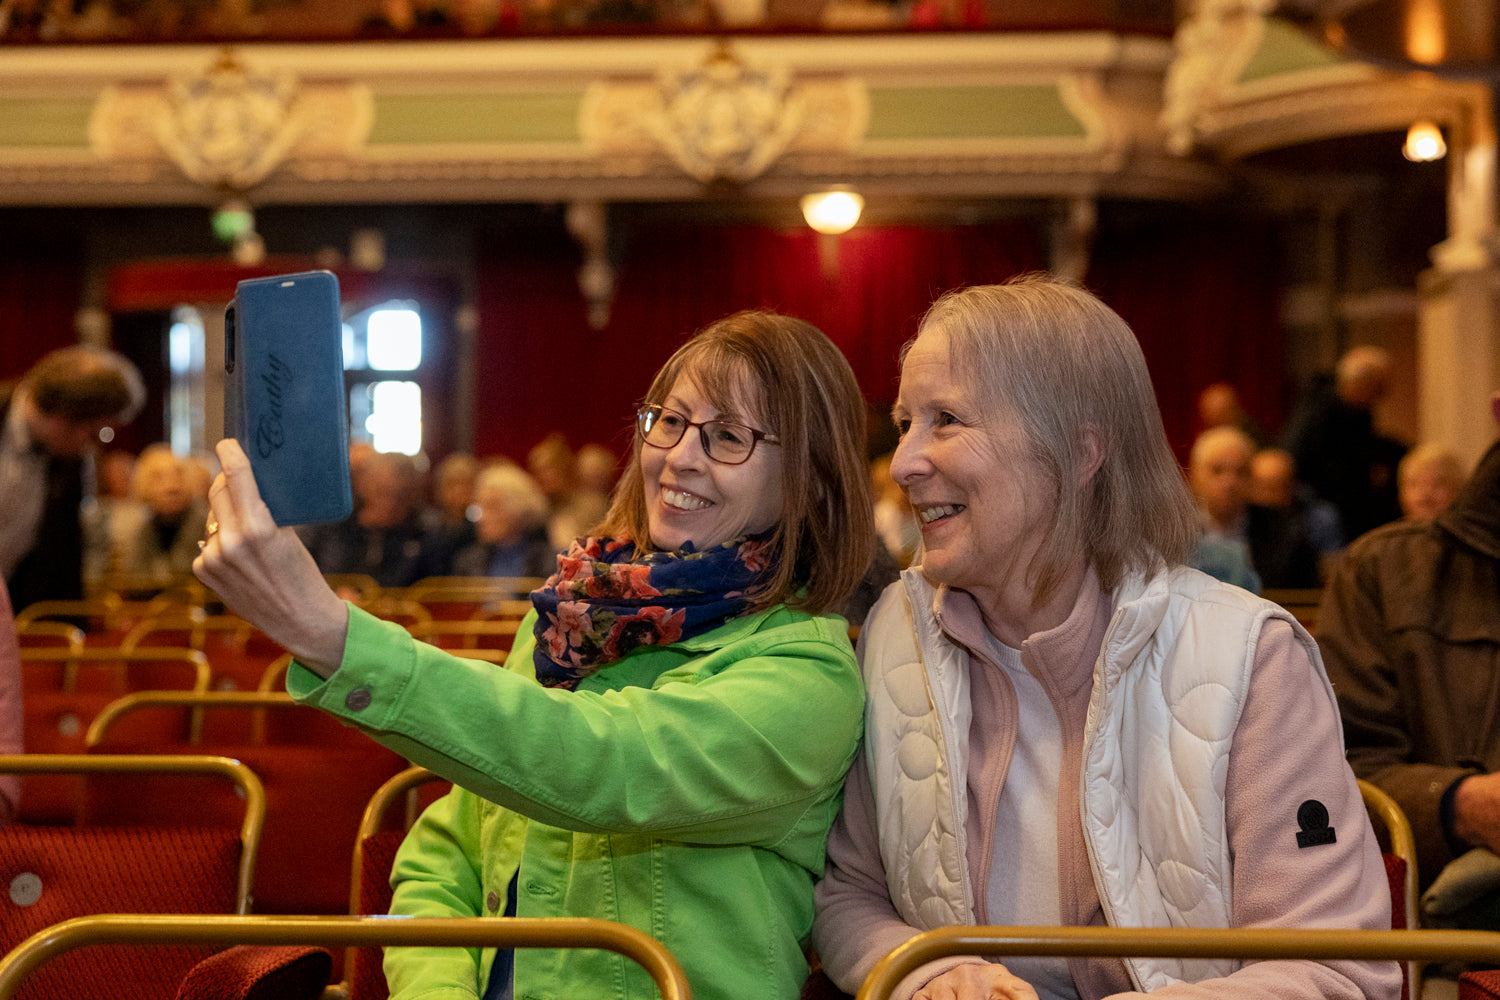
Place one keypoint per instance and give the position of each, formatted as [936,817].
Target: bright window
[387,413]
[394,419]
[393,340]
[185,392]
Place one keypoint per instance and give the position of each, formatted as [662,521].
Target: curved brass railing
[1125,942]
[455,932]
[197,701]
[1403,844]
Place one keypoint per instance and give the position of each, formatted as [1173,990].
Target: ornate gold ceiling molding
[1213,103]
[1211,47]
[1376,103]
[724,119]
[229,127]
[982,115]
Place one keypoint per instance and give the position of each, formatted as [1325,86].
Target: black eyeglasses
[724,441]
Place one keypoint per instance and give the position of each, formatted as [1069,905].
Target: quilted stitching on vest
[1168,692]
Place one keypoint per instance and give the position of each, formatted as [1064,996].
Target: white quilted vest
[1169,686]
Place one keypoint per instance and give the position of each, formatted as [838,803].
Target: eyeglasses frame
[756,436]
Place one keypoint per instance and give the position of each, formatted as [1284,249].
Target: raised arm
[264,573]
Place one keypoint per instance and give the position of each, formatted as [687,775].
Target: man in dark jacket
[1410,633]
[49,425]
[1338,451]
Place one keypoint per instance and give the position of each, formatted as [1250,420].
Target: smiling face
[980,496]
[691,498]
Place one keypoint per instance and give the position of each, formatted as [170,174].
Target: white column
[1458,329]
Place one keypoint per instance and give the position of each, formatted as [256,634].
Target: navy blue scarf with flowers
[605,600]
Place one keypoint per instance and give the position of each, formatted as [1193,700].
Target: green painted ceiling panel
[1285,48]
[971,113]
[538,117]
[45,121]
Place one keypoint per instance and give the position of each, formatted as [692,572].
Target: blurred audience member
[453,490]
[510,534]
[385,538]
[595,468]
[895,521]
[11,719]
[360,453]
[200,470]
[553,465]
[1274,483]
[1292,533]
[1219,406]
[116,473]
[1219,477]
[1410,632]
[49,426]
[1429,478]
[1338,451]
[156,540]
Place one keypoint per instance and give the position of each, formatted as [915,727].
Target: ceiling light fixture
[1424,143]
[832,212]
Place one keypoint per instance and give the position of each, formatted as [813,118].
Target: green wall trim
[971,113]
[402,119]
[45,121]
[1285,48]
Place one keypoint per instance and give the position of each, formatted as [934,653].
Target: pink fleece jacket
[1285,751]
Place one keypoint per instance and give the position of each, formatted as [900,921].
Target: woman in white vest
[1065,726]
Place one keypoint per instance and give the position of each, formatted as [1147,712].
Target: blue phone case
[284,393]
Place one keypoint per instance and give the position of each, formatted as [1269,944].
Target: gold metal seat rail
[1125,942]
[328,931]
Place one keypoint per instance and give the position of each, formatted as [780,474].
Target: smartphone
[284,393]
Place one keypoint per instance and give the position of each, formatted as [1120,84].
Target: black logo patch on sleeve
[1312,817]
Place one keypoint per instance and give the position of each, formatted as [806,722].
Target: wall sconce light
[832,212]
[1424,143]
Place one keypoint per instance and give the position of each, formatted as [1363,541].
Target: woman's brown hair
[802,390]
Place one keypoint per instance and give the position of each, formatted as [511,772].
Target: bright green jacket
[685,790]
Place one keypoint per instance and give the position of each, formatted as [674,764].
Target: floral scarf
[605,600]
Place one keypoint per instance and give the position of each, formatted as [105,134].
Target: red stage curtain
[540,368]
[1202,296]
[40,289]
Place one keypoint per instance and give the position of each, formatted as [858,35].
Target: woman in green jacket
[667,744]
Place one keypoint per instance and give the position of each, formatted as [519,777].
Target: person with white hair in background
[155,543]
[1429,478]
[510,534]
[1219,478]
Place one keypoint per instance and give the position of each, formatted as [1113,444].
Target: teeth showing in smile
[930,514]
[683,500]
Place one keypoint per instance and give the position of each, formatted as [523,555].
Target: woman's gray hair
[1067,367]
[517,490]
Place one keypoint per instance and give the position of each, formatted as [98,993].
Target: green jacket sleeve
[752,743]
[435,875]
